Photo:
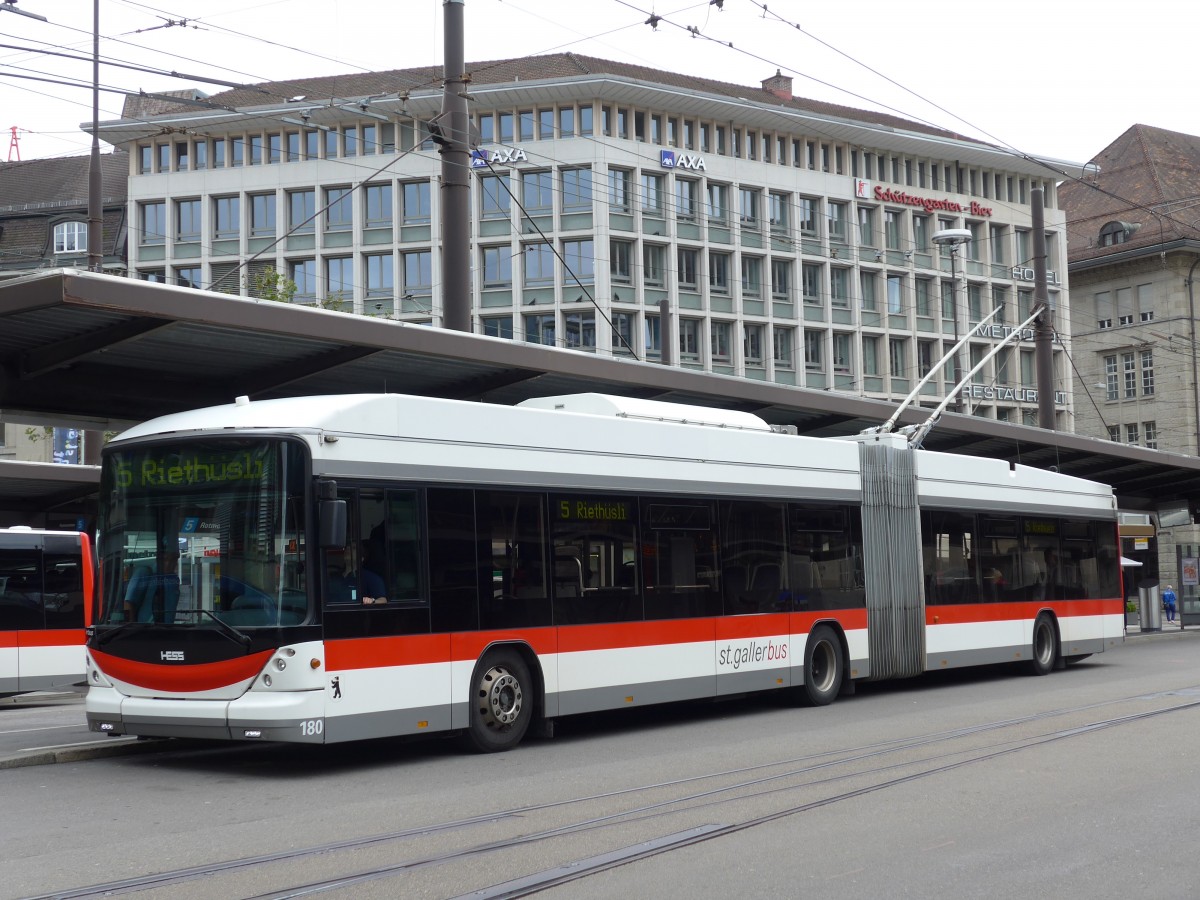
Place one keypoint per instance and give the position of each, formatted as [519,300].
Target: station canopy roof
[98,351]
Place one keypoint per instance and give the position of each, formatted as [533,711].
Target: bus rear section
[45,601]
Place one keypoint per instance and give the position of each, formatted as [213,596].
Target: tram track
[755,784]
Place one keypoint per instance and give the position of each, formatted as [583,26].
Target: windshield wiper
[228,630]
[107,636]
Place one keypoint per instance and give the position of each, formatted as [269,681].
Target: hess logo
[172,656]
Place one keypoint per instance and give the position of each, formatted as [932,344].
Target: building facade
[1133,250]
[43,225]
[791,240]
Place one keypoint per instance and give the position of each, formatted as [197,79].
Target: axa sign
[669,159]
[481,159]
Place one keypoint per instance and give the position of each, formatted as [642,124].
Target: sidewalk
[1167,628]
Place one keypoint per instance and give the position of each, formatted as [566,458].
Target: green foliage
[271,284]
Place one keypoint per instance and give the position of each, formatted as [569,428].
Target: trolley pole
[1044,327]
[456,169]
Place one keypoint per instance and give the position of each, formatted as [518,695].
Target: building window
[1131,433]
[808,216]
[537,192]
[891,229]
[781,279]
[497,267]
[1150,434]
[718,272]
[752,339]
[71,237]
[652,196]
[839,287]
[302,211]
[227,217]
[1114,233]
[339,212]
[303,274]
[1111,389]
[813,356]
[870,355]
[688,270]
[539,265]
[810,277]
[494,197]
[866,227]
[380,276]
[685,199]
[579,330]
[187,221]
[339,280]
[748,209]
[719,335]
[577,190]
[540,329]
[417,269]
[841,352]
[654,263]
[924,358]
[718,203]
[1114,433]
[898,357]
[189,276]
[895,294]
[622,333]
[779,214]
[579,262]
[782,340]
[498,326]
[689,339]
[924,296]
[751,277]
[417,208]
[262,215]
[1147,373]
[377,198]
[620,261]
[837,222]
[153,221]
[620,191]
[866,285]
[566,122]
[1129,367]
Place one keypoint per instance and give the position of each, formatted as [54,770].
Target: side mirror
[333,524]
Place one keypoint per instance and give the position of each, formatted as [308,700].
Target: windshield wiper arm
[107,636]
[228,630]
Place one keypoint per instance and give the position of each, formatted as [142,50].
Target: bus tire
[1045,646]
[823,670]
[502,702]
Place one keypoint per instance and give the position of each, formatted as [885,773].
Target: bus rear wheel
[1045,646]
[501,702]
[823,671]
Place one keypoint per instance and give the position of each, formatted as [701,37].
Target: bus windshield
[193,530]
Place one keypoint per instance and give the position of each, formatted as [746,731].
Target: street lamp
[954,238]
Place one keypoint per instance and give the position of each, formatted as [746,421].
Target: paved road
[981,784]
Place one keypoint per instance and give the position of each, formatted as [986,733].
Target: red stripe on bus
[182,678]
[53,637]
[1025,610]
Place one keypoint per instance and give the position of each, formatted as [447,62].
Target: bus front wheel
[501,702]
[823,670]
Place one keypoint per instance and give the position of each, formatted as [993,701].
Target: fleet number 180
[310,727]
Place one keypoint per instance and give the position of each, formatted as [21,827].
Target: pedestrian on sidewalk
[1169,599]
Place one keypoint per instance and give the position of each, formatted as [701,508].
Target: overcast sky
[1052,78]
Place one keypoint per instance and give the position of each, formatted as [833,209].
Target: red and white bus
[326,569]
[45,604]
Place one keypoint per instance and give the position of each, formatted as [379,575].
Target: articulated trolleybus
[45,604]
[327,569]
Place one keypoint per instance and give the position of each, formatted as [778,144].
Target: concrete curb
[118,747]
